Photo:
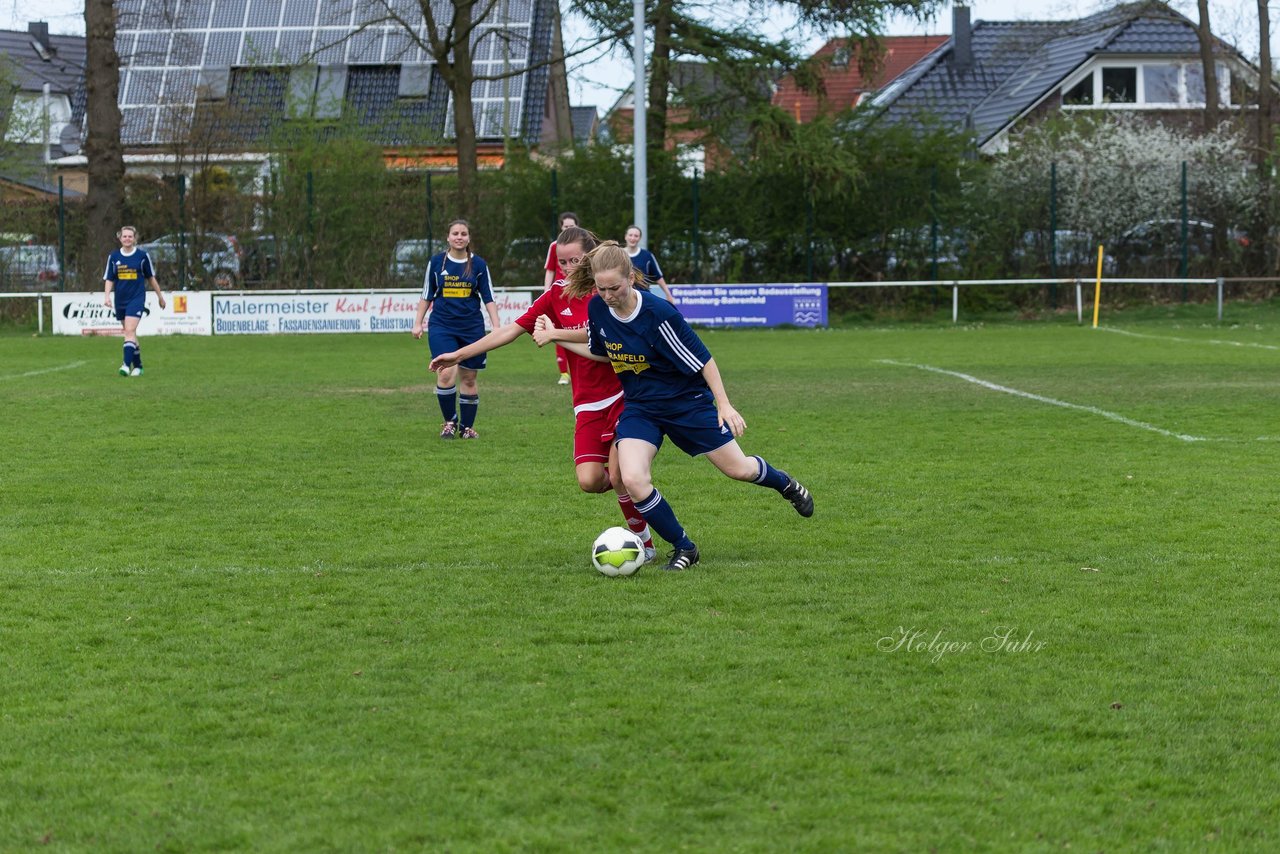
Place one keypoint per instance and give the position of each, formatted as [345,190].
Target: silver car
[213,260]
[29,267]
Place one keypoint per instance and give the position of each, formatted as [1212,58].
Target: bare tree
[450,44]
[103,148]
[740,48]
[1264,144]
[1204,34]
[1265,130]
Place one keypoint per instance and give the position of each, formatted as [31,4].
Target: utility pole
[640,142]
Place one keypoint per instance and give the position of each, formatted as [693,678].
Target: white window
[1144,84]
[35,119]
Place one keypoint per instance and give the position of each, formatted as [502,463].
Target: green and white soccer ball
[618,551]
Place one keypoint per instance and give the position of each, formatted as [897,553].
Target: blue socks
[132,355]
[448,400]
[770,476]
[658,513]
[468,403]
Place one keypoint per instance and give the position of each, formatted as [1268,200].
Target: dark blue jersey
[457,298]
[129,273]
[644,261]
[655,354]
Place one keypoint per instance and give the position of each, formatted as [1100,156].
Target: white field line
[1093,410]
[1188,340]
[66,367]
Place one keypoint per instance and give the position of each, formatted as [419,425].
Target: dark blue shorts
[444,340]
[130,306]
[690,421]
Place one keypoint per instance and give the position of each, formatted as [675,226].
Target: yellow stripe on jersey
[637,367]
[456,292]
[126,273]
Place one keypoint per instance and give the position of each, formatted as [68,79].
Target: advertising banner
[185,313]
[270,314]
[752,305]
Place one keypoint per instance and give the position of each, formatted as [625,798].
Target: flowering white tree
[1120,170]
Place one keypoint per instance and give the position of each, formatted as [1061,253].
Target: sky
[596,79]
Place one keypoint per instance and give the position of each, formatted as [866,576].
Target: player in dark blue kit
[644,261]
[672,388]
[457,285]
[129,273]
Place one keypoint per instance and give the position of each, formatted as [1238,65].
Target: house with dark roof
[586,124]
[845,81]
[706,124]
[223,79]
[991,76]
[42,112]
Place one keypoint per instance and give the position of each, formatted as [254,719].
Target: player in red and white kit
[597,394]
[555,273]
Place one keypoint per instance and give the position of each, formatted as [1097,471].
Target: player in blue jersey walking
[672,388]
[129,273]
[457,285]
[645,262]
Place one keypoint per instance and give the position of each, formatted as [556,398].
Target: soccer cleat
[799,497]
[564,379]
[124,370]
[649,554]
[681,559]
[449,430]
[136,372]
[468,433]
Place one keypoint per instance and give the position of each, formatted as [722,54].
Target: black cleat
[799,497]
[681,559]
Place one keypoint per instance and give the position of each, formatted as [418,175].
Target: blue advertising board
[752,305]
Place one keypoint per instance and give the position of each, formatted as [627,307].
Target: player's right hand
[417,330]
[106,300]
[444,360]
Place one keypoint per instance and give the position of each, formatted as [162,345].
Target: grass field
[250,601]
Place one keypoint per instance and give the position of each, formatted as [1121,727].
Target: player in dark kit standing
[597,396]
[644,261]
[672,387]
[457,285]
[129,273]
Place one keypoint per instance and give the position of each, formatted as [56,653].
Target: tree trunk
[1265,140]
[452,53]
[104,203]
[1263,148]
[560,87]
[659,76]
[1205,36]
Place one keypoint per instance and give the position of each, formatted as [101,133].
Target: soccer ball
[618,551]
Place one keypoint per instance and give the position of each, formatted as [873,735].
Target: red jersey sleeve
[542,305]
[553,260]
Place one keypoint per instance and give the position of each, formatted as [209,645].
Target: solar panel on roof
[165,44]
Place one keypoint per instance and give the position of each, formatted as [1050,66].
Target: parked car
[720,256]
[911,254]
[29,267]
[524,263]
[409,261]
[1075,251]
[213,260]
[261,261]
[1154,247]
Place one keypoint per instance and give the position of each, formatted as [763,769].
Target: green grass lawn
[250,601]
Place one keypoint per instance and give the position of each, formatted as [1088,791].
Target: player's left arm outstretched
[545,332]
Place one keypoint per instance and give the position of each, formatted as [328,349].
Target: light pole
[639,130]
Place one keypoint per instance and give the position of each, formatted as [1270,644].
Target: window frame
[1094,70]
